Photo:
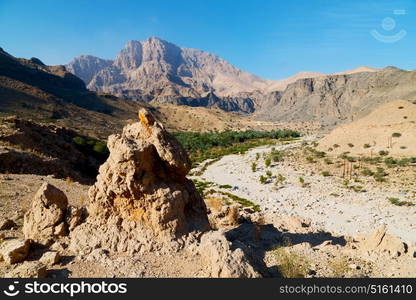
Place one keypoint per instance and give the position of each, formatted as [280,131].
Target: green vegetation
[263,179]
[350,145]
[94,147]
[398,202]
[328,161]
[244,202]
[225,186]
[396,134]
[253,166]
[202,146]
[267,162]
[366,146]
[383,153]
[326,173]
[277,155]
[257,156]
[280,179]
[290,265]
[269,173]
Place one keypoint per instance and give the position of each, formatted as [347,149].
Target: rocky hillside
[391,127]
[334,99]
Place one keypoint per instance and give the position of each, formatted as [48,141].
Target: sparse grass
[269,174]
[328,161]
[290,265]
[267,162]
[244,202]
[383,153]
[225,186]
[398,202]
[326,173]
[339,267]
[253,166]
[263,179]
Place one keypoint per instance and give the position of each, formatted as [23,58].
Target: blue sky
[270,38]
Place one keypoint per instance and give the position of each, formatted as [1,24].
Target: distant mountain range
[157,71]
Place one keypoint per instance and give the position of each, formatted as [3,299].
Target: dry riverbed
[324,200]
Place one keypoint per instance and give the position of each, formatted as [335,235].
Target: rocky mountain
[333,99]
[156,70]
[86,66]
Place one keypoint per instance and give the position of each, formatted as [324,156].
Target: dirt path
[324,200]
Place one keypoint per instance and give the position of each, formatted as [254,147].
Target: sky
[270,38]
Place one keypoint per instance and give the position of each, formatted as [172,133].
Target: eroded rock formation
[144,180]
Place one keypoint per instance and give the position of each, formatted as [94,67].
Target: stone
[32,269]
[44,221]
[6,224]
[50,258]
[14,251]
[74,216]
[144,181]
[222,261]
[380,241]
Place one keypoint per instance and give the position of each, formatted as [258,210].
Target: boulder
[32,269]
[44,221]
[144,181]
[14,251]
[222,260]
[50,258]
[380,241]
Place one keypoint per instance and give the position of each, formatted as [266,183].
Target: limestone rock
[74,216]
[45,220]
[223,261]
[50,258]
[30,269]
[144,181]
[380,241]
[15,251]
[6,224]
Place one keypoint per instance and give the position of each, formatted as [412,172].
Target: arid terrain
[170,162]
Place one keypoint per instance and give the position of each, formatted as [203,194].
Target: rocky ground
[144,218]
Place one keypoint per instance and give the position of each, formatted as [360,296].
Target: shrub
[367,172]
[302,181]
[383,153]
[396,201]
[263,179]
[280,179]
[366,146]
[277,155]
[79,141]
[328,161]
[225,186]
[268,162]
[310,159]
[350,145]
[335,146]
[253,166]
[257,156]
[396,134]
[326,173]
[290,265]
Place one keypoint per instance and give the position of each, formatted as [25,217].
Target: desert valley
[168,161]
